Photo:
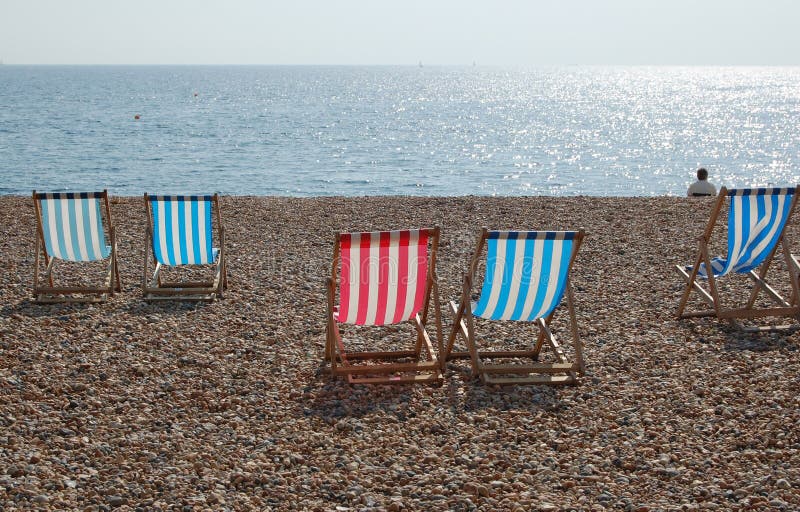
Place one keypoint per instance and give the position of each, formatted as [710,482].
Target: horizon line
[419,64]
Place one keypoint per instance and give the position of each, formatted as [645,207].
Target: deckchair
[757,220]
[384,278]
[527,275]
[69,227]
[180,234]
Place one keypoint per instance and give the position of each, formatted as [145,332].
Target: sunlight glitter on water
[397,130]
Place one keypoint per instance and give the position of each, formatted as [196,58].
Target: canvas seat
[70,228]
[384,278]
[526,277]
[757,220]
[180,235]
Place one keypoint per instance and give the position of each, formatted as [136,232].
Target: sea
[396,130]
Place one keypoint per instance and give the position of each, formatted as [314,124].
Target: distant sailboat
[420,64]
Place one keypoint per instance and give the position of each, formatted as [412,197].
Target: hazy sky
[500,32]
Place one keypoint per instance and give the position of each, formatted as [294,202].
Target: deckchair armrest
[148,239]
[466,288]
[330,293]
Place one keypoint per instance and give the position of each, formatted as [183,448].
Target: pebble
[116,501]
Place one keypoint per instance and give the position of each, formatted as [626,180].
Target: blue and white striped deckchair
[70,228]
[180,233]
[527,276]
[757,220]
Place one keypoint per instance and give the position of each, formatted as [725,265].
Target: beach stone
[116,501]
[16,470]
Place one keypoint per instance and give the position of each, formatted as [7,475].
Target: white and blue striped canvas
[72,225]
[526,274]
[182,230]
[756,218]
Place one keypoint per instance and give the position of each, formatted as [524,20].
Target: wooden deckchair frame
[44,289]
[560,372]
[710,296]
[377,367]
[153,288]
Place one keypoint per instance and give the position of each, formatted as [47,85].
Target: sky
[401,32]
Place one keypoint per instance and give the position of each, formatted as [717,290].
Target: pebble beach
[227,405]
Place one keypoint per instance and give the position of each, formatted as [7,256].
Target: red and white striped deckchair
[384,278]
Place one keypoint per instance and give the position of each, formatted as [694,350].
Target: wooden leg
[146,265]
[219,277]
[577,344]
[438,317]
[471,344]
[459,327]
[116,272]
[690,283]
[36,267]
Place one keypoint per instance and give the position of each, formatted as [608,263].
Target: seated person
[701,187]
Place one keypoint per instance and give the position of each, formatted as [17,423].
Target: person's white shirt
[702,187]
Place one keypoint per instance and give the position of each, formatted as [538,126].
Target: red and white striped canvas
[383,276]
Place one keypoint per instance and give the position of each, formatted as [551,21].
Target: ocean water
[317,130]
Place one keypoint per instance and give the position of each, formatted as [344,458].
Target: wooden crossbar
[434,378]
[189,284]
[54,299]
[430,366]
[531,379]
[772,328]
[54,290]
[191,290]
[529,368]
[759,313]
[464,354]
[208,297]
